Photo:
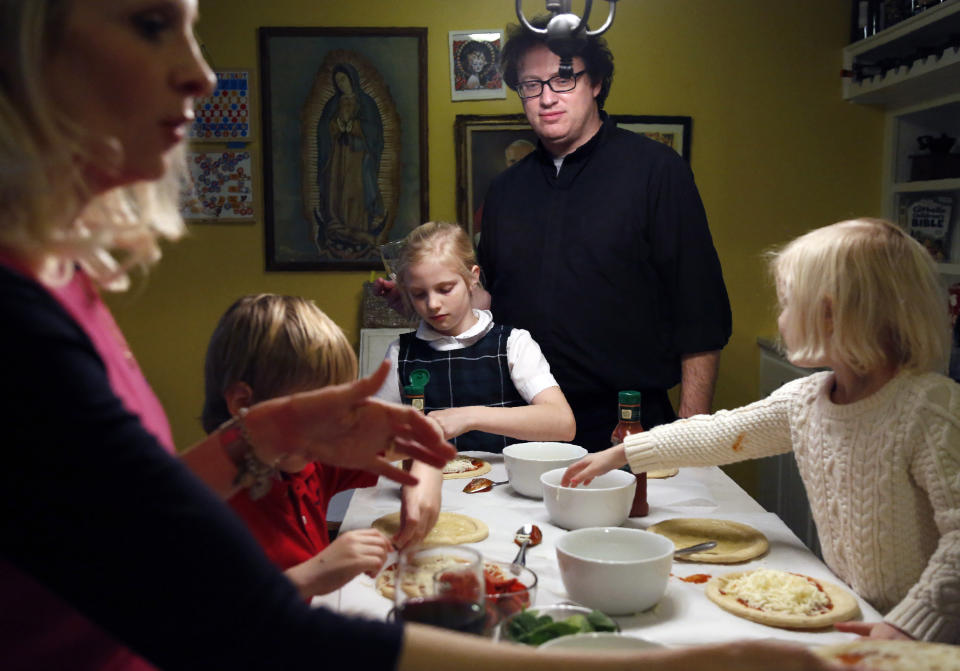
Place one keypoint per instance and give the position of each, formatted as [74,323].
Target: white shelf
[907,85]
[927,185]
[931,77]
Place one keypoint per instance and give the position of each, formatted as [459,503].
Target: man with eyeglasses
[597,243]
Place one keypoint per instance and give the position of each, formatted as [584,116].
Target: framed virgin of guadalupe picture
[344,143]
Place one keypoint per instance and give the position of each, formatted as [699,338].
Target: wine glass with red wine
[443,587]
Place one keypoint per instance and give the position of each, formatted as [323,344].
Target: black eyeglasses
[532,88]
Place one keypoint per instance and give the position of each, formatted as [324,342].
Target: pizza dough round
[663,473]
[480,467]
[843,605]
[883,655]
[736,542]
[450,529]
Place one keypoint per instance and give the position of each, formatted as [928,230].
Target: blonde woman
[877,438]
[265,346]
[112,554]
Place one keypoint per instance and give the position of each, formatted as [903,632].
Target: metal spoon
[478,485]
[699,547]
[527,536]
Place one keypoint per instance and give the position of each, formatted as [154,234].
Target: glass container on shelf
[629,423]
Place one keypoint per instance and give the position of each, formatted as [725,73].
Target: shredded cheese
[459,465]
[771,590]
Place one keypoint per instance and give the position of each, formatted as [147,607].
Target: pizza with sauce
[465,467]
[880,655]
[782,599]
[505,593]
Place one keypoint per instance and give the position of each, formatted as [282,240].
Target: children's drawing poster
[223,186]
[224,116]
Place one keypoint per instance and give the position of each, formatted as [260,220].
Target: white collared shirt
[529,370]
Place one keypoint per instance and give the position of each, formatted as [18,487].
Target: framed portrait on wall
[344,143]
[673,131]
[486,145]
[475,65]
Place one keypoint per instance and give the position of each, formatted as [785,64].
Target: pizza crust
[483,469]
[844,606]
[419,583]
[736,542]
[662,473]
[450,529]
[881,655]
[419,586]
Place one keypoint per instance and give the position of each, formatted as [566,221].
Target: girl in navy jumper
[489,384]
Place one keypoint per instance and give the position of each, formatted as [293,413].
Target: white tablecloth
[684,615]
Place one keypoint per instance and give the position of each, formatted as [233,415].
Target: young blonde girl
[267,346]
[877,439]
[489,384]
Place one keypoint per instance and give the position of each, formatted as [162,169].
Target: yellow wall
[775,151]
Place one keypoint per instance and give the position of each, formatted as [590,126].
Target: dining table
[683,617]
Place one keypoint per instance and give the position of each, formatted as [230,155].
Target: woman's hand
[592,465]
[349,555]
[419,506]
[342,426]
[880,630]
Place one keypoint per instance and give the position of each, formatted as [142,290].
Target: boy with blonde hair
[266,346]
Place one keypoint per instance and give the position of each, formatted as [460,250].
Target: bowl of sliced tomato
[510,589]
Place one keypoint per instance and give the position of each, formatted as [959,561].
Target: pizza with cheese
[418,582]
[450,529]
[880,655]
[782,599]
[465,467]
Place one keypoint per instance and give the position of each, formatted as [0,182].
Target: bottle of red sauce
[629,422]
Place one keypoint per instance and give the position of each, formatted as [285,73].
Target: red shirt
[290,522]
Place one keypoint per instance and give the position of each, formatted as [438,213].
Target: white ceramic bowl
[605,502]
[525,463]
[598,641]
[615,569]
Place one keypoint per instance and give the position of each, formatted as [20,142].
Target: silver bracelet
[252,474]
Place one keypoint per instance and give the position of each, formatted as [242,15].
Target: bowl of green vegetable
[600,641]
[545,623]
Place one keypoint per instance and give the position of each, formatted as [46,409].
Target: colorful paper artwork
[224,116]
[223,186]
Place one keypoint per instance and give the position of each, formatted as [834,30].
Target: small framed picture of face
[475,65]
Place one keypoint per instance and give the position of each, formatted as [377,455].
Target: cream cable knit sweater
[882,475]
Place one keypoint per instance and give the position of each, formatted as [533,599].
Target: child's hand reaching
[592,465]
[349,555]
[880,630]
[453,421]
[419,506]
